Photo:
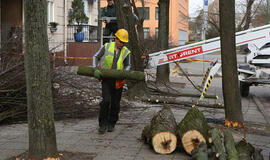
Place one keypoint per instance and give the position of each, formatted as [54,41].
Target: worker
[111,25]
[114,55]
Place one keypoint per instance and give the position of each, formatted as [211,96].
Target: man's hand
[97,74]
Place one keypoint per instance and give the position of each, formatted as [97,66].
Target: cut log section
[216,139]
[193,129]
[191,140]
[164,142]
[112,73]
[230,145]
[161,132]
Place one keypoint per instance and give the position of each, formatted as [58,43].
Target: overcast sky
[195,5]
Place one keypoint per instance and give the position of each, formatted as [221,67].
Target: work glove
[97,74]
[107,19]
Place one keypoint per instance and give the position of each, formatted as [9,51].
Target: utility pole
[267,14]
[204,19]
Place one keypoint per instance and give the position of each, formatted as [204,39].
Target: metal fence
[90,33]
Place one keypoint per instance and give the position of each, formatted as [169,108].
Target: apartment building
[12,18]
[61,41]
[178,23]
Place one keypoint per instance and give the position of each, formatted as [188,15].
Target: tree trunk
[161,133]
[125,19]
[193,129]
[232,98]
[230,146]
[42,139]
[99,23]
[215,139]
[163,71]
[112,73]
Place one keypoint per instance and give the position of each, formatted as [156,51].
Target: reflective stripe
[125,53]
[107,50]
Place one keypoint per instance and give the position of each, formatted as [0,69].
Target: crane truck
[255,71]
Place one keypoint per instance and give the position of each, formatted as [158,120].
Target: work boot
[110,128]
[102,129]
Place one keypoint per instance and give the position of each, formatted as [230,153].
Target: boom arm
[255,36]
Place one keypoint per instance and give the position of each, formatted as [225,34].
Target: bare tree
[163,71]
[231,92]
[42,138]
[246,13]
[261,15]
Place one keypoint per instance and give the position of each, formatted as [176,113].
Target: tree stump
[161,132]
[193,129]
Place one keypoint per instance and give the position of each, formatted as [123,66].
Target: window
[50,11]
[182,37]
[156,32]
[156,13]
[146,12]
[146,33]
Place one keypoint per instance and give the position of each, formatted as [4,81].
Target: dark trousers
[110,105]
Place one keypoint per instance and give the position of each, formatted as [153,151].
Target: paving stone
[6,153]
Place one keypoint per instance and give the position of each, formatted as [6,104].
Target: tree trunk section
[215,139]
[173,100]
[42,139]
[245,150]
[193,129]
[231,92]
[112,73]
[230,146]
[161,133]
[163,72]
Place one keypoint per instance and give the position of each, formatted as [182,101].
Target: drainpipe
[65,31]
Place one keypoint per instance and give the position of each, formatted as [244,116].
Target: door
[11,24]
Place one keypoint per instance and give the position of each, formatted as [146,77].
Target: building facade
[12,20]
[178,23]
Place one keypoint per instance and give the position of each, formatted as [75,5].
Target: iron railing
[90,33]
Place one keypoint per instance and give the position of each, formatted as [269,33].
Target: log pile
[198,139]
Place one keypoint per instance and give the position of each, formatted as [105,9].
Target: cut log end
[191,140]
[164,142]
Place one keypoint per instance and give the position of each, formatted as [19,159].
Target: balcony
[90,33]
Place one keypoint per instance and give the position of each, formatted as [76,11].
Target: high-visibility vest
[108,60]
[109,55]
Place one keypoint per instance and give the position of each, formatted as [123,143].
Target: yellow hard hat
[122,35]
